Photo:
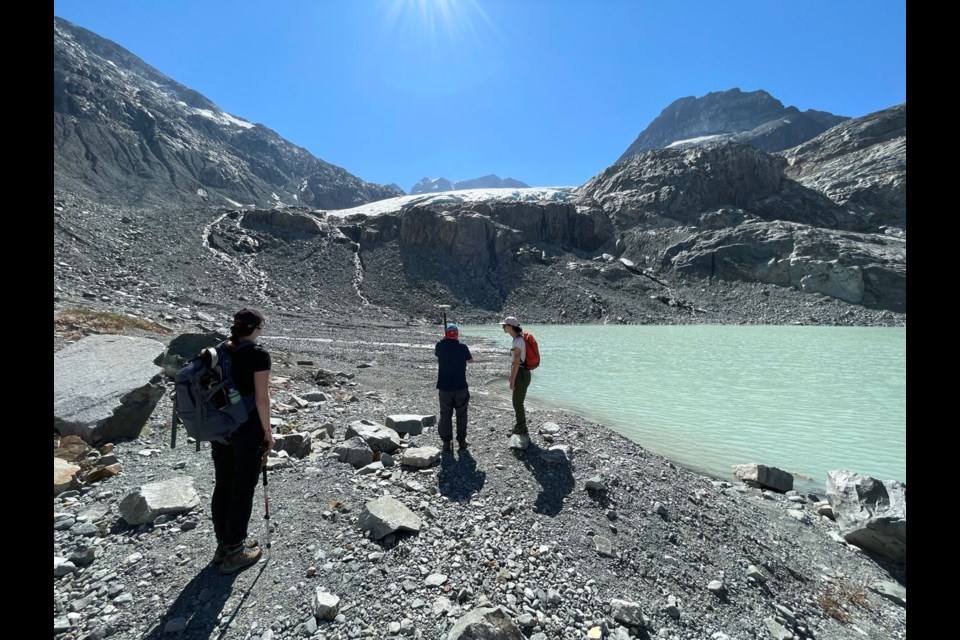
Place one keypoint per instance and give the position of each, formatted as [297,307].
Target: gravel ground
[701,557]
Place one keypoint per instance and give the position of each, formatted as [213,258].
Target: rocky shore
[582,535]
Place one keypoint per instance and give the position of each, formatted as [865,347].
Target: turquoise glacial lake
[804,399]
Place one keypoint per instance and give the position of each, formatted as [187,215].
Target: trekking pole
[266,500]
[173,425]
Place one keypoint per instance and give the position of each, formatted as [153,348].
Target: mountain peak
[754,117]
[490,181]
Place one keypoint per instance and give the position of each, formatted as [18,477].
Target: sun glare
[437,46]
[440,21]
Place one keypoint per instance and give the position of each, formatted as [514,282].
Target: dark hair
[516,328]
[245,322]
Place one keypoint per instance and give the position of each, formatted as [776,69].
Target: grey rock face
[106,386]
[669,186]
[157,498]
[872,513]
[754,117]
[123,130]
[484,235]
[386,515]
[860,164]
[867,269]
[764,476]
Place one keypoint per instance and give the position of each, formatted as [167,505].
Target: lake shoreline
[518,530]
[724,419]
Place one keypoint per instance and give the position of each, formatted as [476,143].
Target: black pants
[236,467]
[450,400]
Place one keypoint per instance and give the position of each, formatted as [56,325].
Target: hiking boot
[447,446]
[243,557]
[462,443]
[221,551]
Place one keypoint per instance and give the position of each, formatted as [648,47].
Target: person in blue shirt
[452,358]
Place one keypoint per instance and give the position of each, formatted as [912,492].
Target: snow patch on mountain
[391,205]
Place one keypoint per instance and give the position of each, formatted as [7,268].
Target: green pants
[520,384]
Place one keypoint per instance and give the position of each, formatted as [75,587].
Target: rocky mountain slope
[730,212]
[753,117]
[721,232]
[125,133]
[860,164]
[436,185]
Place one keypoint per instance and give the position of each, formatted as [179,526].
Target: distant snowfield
[465,196]
[700,140]
[222,118]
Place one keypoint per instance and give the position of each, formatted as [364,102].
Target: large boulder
[145,504]
[486,623]
[377,436]
[106,386]
[354,451]
[410,423]
[420,457]
[763,476]
[298,445]
[185,347]
[326,605]
[386,515]
[872,513]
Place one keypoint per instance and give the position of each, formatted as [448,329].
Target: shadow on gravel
[555,478]
[194,612]
[896,571]
[602,498]
[458,478]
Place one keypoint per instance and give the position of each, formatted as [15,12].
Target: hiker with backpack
[238,460]
[452,359]
[526,356]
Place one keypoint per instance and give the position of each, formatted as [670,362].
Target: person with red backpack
[526,357]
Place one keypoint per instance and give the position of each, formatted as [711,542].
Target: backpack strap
[226,364]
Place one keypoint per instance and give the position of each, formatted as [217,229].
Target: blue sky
[549,92]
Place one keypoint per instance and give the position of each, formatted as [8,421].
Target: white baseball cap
[510,320]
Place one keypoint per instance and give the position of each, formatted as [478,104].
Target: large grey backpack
[206,400]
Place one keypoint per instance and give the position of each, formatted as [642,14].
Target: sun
[442,21]
[434,47]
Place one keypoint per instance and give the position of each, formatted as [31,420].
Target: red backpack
[533,352]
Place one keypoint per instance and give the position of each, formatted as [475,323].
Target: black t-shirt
[452,356]
[245,363]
